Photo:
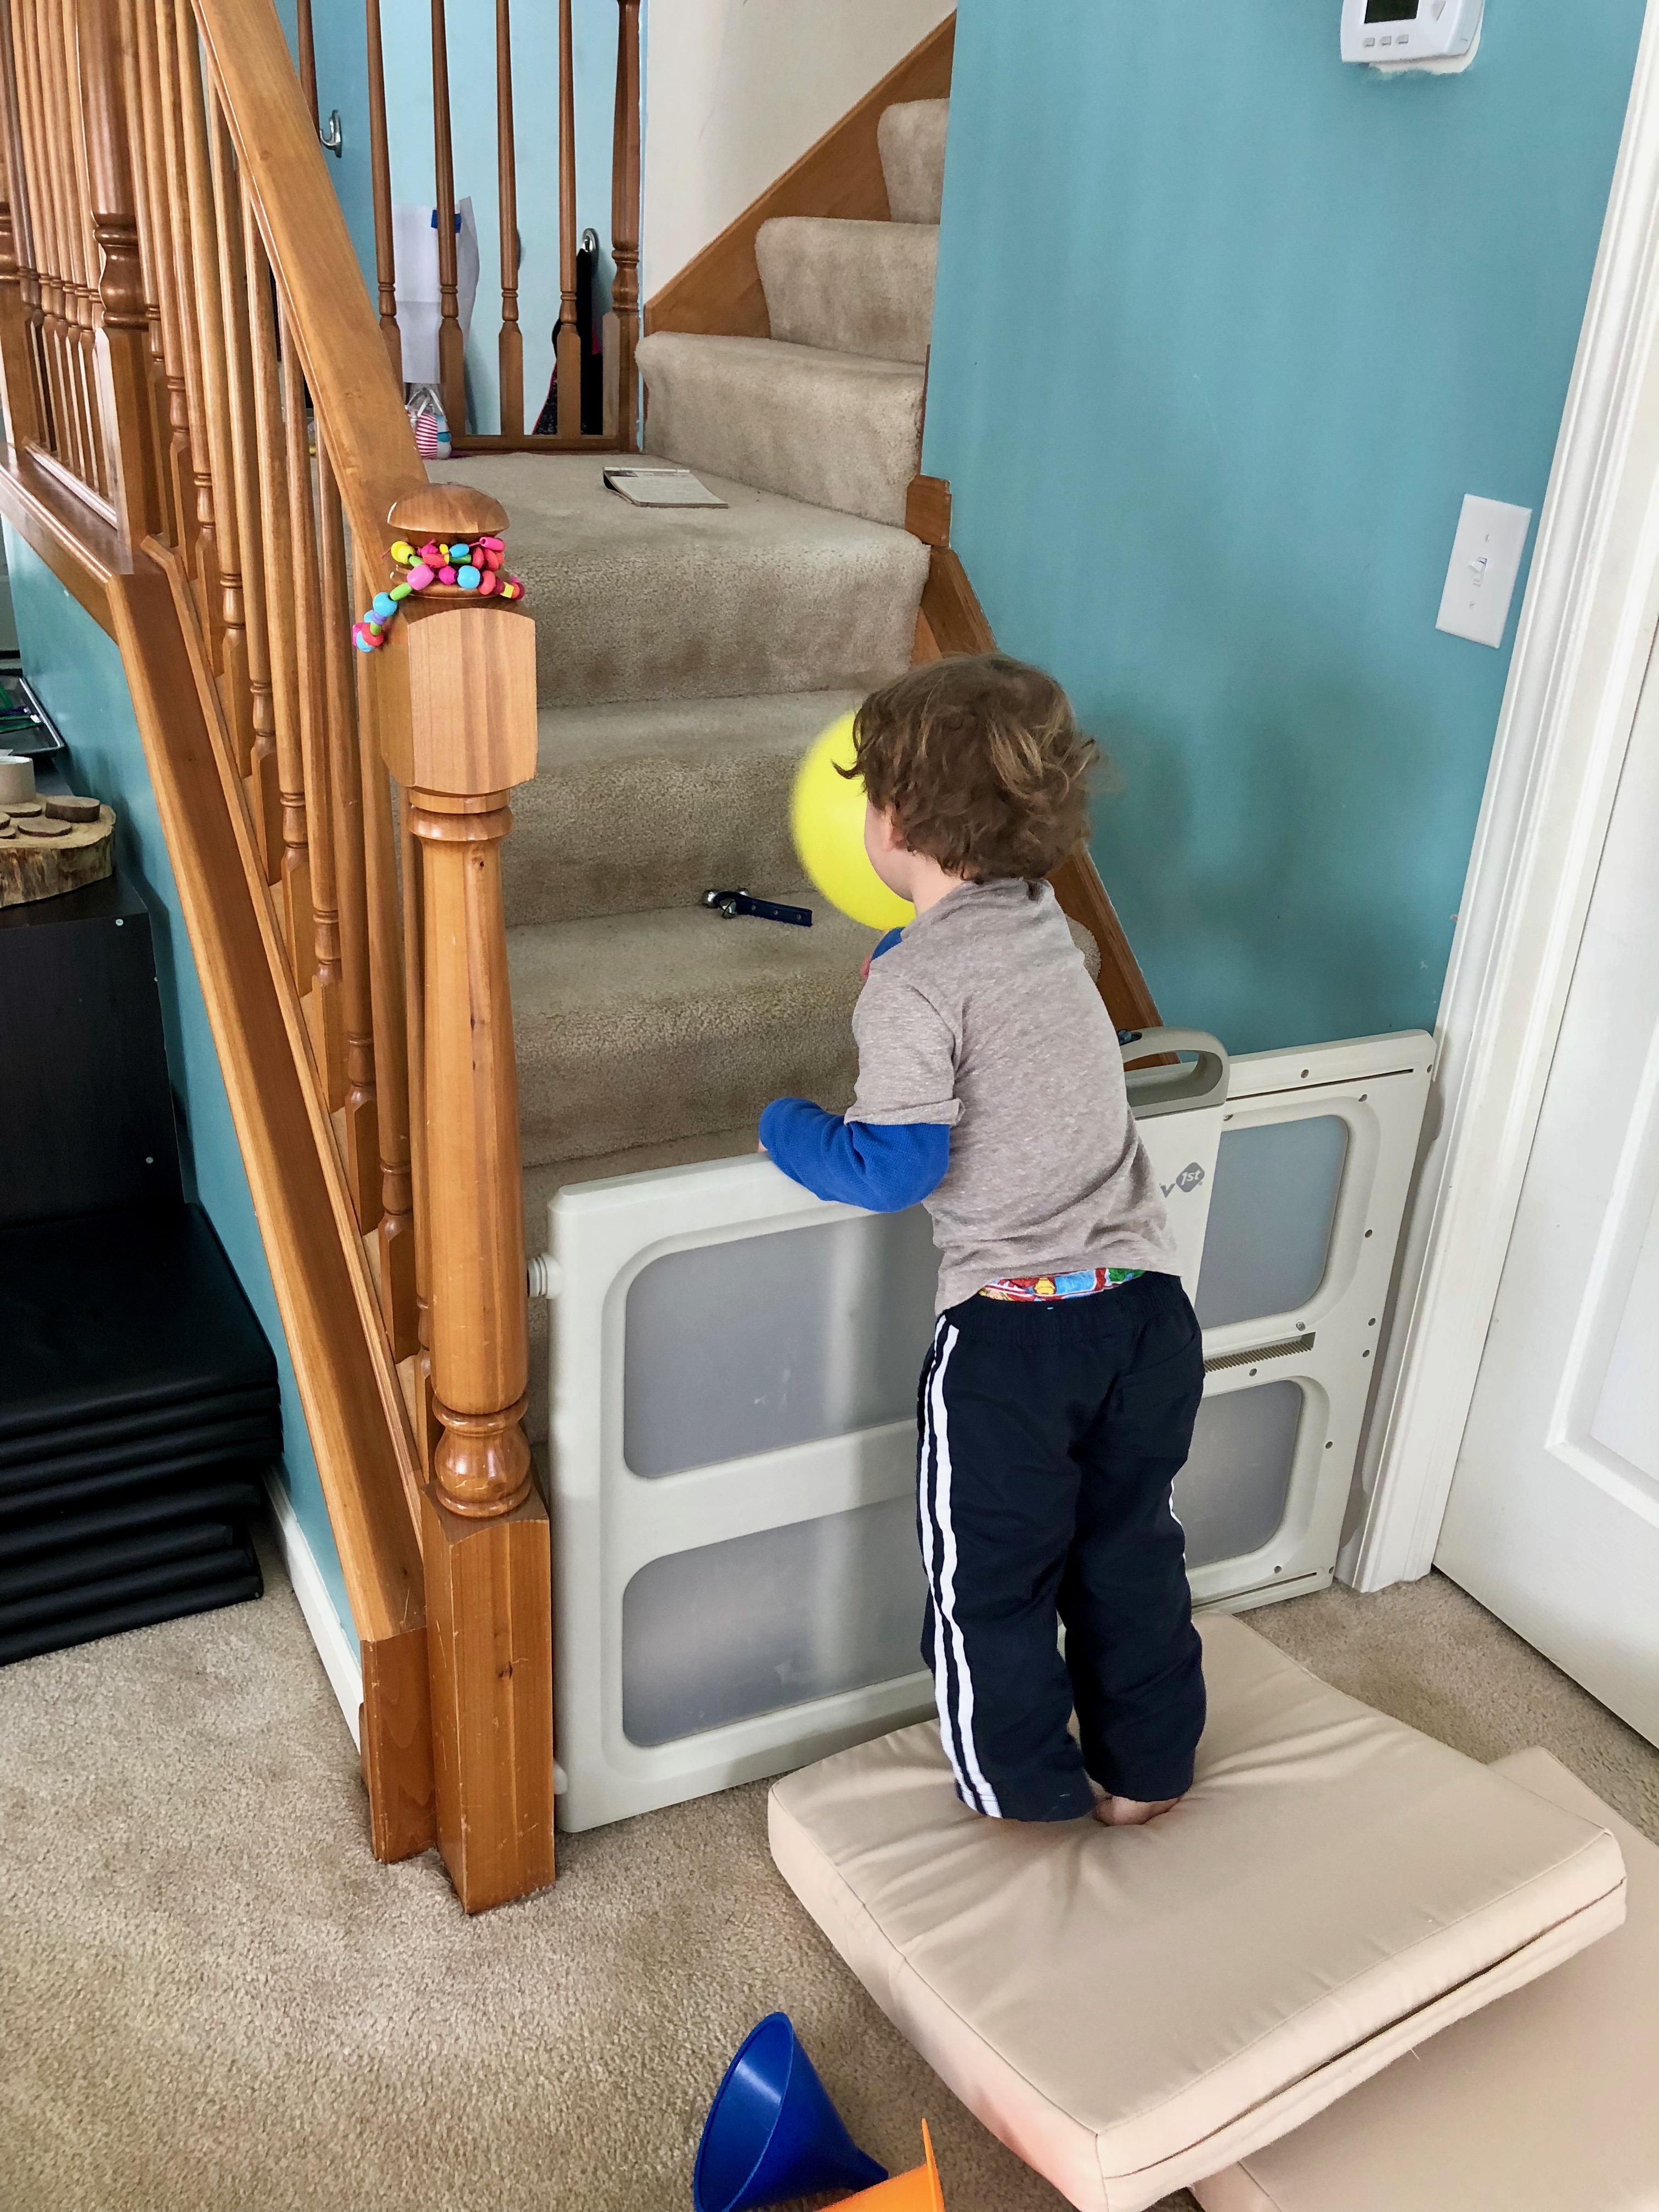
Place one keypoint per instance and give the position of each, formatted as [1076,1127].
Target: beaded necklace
[444,570]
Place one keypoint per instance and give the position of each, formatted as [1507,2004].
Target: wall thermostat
[1406,34]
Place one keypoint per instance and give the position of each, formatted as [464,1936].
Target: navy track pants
[1049,1436]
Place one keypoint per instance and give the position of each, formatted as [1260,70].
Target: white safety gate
[738,1588]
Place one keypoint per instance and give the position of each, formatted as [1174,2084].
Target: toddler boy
[1057,1399]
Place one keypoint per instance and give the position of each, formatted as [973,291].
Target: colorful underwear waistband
[1031,1290]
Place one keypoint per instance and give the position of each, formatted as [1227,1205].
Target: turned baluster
[155,387]
[17,368]
[134,471]
[292,875]
[258,763]
[452,346]
[621,325]
[381,700]
[379,163]
[324,1007]
[179,468]
[358,1110]
[216,391]
[199,502]
[426,1431]
[70,148]
[308,46]
[568,345]
[58,427]
[510,349]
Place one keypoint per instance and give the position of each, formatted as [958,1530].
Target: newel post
[466,666]
[124,341]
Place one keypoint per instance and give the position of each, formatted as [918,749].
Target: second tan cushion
[1131,2009]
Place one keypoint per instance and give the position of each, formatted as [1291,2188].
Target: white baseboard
[334,1647]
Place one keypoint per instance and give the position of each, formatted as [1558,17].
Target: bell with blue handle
[772,2132]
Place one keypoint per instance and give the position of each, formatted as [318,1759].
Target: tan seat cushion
[1544,2103]
[1131,2009]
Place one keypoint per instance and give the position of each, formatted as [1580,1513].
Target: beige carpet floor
[212,1999]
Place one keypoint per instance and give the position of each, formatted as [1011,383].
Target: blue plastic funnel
[772,2133]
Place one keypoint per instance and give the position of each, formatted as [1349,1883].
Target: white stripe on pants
[940,1561]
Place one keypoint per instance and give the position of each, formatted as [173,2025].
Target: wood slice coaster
[43,856]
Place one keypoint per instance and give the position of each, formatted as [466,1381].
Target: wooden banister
[209,444]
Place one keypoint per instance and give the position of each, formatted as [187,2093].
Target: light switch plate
[1486,560]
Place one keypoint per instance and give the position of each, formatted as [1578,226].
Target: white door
[1554,1518]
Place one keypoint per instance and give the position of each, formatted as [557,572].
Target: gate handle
[1154,1091]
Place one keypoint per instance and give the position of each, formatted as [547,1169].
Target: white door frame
[1582,649]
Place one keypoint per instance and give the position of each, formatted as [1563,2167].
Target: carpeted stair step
[641,1029]
[859,288]
[911,139]
[651,802]
[838,430]
[764,595]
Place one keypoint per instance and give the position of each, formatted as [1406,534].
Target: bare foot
[1131,1811]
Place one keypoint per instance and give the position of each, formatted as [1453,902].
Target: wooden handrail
[952,621]
[209,440]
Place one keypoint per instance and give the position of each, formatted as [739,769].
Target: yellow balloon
[826,819]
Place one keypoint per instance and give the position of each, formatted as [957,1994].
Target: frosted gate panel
[760,1342]
[1271,1214]
[771,1619]
[1229,1497]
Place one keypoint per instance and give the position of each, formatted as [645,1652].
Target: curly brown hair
[981,764]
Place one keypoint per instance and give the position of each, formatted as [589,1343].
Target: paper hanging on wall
[414,246]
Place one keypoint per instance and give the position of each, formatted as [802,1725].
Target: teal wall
[76,670]
[1224,331]
[339,38]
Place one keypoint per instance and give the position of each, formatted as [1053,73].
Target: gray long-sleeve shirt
[983,1016]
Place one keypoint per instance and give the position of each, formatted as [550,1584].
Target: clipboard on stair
[661,486]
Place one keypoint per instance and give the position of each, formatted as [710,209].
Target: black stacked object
[138,1396]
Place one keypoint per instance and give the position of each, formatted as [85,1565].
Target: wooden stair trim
[81,550]
[349,1392]
[719,292]
[952,621]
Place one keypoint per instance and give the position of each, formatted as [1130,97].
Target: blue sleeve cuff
[883,1167]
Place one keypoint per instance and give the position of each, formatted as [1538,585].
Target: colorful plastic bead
[385,604]
[398,592]
[490,544]
[486,584]
[403,553]
[492,556]
[420,575]
[512,589]
[432,553]
[446,575]
[458,554]
[467,577]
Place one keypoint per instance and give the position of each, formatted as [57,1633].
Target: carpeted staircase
[687,658]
